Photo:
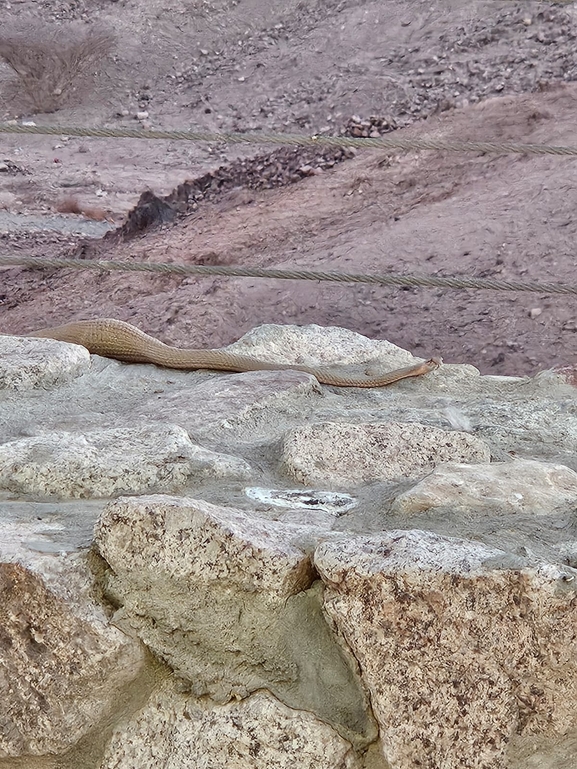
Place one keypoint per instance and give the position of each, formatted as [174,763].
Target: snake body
[117,339]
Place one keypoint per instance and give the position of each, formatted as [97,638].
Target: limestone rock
[525,486]
[315,344]
[349,454]
[100,463]
[175,731]
[62,665]
[459,651]
[227,401]
[205,463]
[27,364]
[231,603]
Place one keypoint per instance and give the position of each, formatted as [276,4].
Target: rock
[174,731]
[106,463]
[63,666]
[521,486]
[373,127]
[212,464]
[27,364]
[213,591]
[8,200]
[460,649]
[313,345]
[348,454]
[229,401]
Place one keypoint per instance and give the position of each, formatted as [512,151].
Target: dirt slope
[434,213]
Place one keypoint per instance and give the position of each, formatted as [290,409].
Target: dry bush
[51,62]
[68,206]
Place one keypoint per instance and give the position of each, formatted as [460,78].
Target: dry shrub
[50,62]
[68,206]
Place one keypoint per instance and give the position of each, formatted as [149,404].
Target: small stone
[142,115]
[534,312]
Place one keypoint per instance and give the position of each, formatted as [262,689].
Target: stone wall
[254,570]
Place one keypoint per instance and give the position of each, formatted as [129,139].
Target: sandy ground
[495,71]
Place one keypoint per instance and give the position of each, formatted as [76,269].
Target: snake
[122,341]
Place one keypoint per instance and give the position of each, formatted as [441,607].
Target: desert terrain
[498,70]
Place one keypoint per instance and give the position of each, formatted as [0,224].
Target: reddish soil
[484,71]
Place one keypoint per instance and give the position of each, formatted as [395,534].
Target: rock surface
[461,649]
[213,591]
[106,463]
[31,363]
[172,594]
[520,486]
[349,454]
[175,731]
[63,665]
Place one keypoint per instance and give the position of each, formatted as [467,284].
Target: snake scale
[117,339]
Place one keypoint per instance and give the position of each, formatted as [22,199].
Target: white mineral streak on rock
[106,463]
[348,454]
[521,486]
[458,657]
[174,731]
[61,664]
[230,601]
[28,364]
[308,499]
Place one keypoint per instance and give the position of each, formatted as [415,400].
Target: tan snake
[117,339]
